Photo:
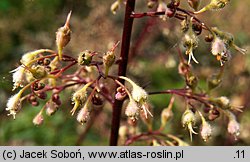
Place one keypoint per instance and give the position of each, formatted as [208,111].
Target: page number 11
[240,154]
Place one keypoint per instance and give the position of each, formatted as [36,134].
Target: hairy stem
[117,106]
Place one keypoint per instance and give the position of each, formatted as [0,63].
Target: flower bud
[46,61]
[63,36]
[35,103]
[120,93]
[38,86]
[28,57]
[56,99]
[108,61]
[192,81]
[213,114]
[194,4]
[115,6]
[38,119]
[42,95]
[97,100]
[213,5]
[209,38]
[151,3]
[166,115]
[213,82]
[223,102]
[83,115]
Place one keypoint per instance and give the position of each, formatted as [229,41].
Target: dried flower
[188,120]
[213,5]
[14,104]
[108,61]
[51,108]
[38,119]
[63,36]
[85,57]
[83,115]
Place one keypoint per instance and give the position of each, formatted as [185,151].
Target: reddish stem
[117,106]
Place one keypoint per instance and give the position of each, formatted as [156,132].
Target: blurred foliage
[26,25]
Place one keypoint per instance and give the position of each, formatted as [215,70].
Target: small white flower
[206,131]
[190,42]
[188,120]
[218,47]
[132,110]
[233,127]
[51,108]
[139,94]
[83,115]
[38,119]
[18,76]
[14,105]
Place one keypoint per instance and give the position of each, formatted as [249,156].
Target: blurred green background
[26,25]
